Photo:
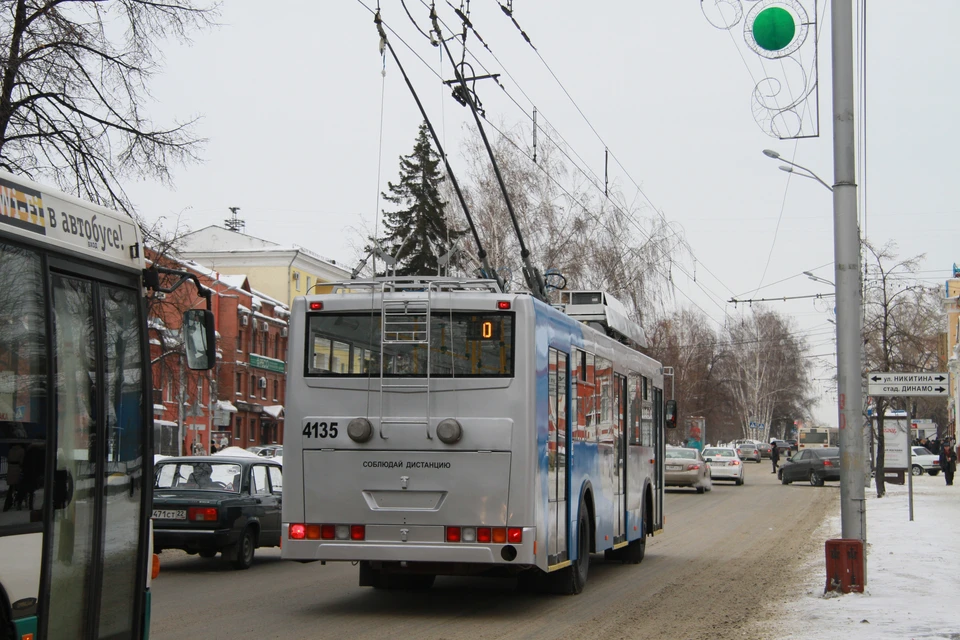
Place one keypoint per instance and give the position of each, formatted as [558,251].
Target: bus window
[23,393]
[462,344]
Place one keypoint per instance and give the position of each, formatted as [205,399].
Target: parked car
[923,460]
[724,464]
[267,451]
[211,504]
[766,449]
[686,468]
[813,465]
[748,451]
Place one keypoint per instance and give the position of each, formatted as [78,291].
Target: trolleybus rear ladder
[405,322]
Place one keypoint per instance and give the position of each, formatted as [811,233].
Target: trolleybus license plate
[170,514]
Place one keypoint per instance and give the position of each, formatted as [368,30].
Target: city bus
[817,437]
[75,418]
[445,427]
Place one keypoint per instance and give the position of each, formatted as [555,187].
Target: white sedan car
[724,463]
[923,460]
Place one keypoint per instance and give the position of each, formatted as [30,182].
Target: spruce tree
[417,232]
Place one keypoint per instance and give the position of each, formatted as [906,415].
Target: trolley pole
[846,243]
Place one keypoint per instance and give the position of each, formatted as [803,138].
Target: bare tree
[902,321]
[74,87]
[764,367]
[567,224]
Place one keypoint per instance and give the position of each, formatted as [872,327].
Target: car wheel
[208,553]
[246,548]
[783,479]
[916,470]
[816,480]
[701,489]
[739,481]
[934,472]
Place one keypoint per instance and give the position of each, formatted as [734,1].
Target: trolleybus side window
[604,399]
[461,344]
[586,428]
[635,402]
[23,391]
[557,428]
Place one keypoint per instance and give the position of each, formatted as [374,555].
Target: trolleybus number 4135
[320,430]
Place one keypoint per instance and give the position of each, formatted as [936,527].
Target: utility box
[844,565]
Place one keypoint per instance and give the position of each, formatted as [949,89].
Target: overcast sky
[290,99]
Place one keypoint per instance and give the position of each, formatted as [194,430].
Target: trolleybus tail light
[514,535]
[202,514]
[343,532]
[503,304]
[468,534]
[327,531]
[313,532]
[499,535]
[453,534]
[484,534]
[298,532]
[358,532]
[316,306]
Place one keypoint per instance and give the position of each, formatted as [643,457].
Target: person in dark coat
[948,460]
[774,456]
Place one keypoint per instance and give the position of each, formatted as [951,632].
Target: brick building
[240,401]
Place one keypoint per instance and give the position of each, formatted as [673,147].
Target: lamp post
[807,173]
[818,278]
[846,248]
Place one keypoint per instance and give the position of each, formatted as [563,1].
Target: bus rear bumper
[454,552]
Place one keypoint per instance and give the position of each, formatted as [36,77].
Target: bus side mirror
[670,415]
[199,339]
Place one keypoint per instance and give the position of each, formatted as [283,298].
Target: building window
[276,346]
[276,390]
[296,280]
[239,339]
[266,338]
[263,388]
[253,386]
[168,387]
[199,391]
[239,387]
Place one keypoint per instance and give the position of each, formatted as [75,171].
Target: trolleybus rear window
[461,344]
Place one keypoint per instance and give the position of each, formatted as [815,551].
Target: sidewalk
[913,572]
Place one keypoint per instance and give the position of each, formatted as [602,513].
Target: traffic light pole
[853,517]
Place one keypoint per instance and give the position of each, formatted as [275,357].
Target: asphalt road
[722,556]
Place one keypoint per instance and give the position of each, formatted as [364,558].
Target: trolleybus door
[659,453]
[557,458]
[98,478]
[620,455]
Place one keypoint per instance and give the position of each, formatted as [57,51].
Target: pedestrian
[213,447]
[774,455]
[948,460]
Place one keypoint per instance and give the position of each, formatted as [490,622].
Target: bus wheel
[570,580]
[634,552]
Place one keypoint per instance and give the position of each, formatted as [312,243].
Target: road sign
[888,383]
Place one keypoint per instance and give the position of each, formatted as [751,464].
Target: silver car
[724,464]
[686,468]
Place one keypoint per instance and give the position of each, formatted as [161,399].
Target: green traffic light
[774,28]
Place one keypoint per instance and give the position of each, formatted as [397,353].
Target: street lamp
[770,153]
[818,278]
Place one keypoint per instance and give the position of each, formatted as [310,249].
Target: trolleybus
[75,421]
[817,437]
[444,427]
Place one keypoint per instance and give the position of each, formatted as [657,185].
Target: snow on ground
[913,572]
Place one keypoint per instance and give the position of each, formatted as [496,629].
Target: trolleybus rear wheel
[570,580]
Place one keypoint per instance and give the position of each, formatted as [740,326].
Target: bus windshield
[461,344]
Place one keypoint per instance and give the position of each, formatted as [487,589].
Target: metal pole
[846,244]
